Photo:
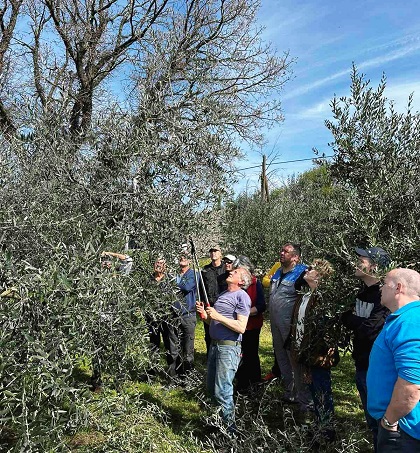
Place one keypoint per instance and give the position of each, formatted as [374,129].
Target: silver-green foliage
[85,166]
[377,162]
[366,196]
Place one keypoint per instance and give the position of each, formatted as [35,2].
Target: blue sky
[326,37]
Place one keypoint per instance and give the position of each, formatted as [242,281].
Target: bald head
[409,279]
[401,286]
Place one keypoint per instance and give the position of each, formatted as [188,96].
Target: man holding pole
[209,279]
[227,321]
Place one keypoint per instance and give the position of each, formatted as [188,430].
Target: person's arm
[120,256]
[267,277]
[199,306]
[237,325]
[367,327]
[405,397]
[300,281]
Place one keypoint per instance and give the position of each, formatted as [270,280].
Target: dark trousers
[249,371]
[396,441]
[171,341]
[321,391]
[179,334]
[362,388]
[186,339]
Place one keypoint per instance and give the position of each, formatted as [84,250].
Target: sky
[326,37]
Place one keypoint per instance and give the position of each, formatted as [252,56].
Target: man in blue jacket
[393,378]
[182,331]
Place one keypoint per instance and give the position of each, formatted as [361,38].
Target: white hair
[246,277]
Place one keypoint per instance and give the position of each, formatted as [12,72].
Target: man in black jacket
[210,272]
[367,318]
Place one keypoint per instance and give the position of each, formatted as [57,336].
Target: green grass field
[156,415]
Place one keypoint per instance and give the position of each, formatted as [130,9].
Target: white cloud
[407,40]
[319,110]
[410,47]
[382,59]
[400,92]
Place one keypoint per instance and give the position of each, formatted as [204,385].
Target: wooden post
[264,181]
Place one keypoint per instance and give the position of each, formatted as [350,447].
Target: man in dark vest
[210,272]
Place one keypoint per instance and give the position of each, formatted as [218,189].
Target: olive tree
[376,161]
[118,123]
[366,196]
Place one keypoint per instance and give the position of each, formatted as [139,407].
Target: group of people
[177,330]
[385,324]
[384,321]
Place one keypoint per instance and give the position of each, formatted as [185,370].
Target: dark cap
[215,247]
[376,254]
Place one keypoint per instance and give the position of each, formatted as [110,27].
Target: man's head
[215,254]
[244,261]
[399,288]
[184,261]
[160,266]
[240,277]
[370,261]
[290,254]
[228,261]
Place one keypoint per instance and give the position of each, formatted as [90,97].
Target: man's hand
[199,306]
[391,428]
[326,361]
[213,314]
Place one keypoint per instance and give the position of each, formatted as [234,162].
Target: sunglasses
[228,261]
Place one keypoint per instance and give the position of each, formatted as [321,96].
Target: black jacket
[210,274]
[365,329]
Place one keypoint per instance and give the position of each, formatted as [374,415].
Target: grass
[157,415]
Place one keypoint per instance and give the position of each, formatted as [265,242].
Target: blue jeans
[222,364]
[393,441]
[322,394]
[362,388]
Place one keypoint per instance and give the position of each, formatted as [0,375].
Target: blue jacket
[188,289]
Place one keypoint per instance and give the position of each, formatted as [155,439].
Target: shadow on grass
[8,438]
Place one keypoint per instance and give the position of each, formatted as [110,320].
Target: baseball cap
[377,254]
[215,247]
[229,257]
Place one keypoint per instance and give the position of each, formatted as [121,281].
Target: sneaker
[269,377]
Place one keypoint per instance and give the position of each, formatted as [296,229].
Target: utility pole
[265,197]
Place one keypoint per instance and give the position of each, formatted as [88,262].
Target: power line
[284,162]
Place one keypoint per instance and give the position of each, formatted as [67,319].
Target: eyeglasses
[228,261]
[384,283]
